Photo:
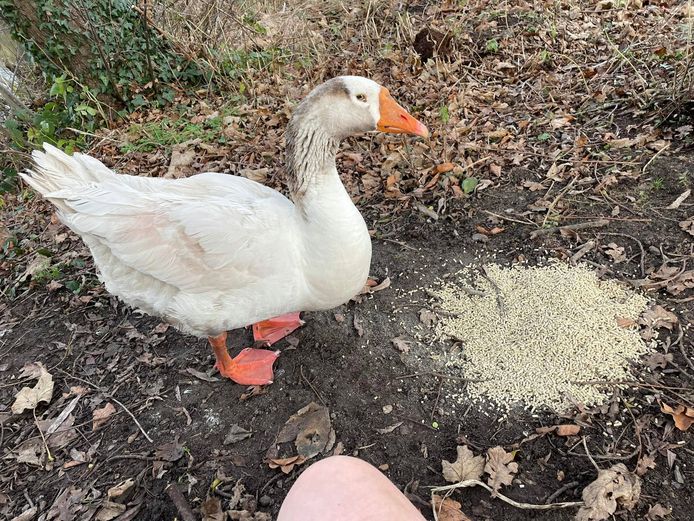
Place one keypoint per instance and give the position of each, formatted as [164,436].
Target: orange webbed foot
[250,367]
[275,329]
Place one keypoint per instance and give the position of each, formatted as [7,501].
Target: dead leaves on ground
[310,431]
[466,466]
[29,397]
[683,416]
[499,466]
[614,487]
[448,509]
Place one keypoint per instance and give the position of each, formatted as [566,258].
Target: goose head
[352,105]
[341,107]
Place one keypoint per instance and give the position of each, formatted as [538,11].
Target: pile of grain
[535,330]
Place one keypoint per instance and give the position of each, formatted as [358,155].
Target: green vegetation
[146,137]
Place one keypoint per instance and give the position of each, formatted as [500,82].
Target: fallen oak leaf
[614,486]
[500,467]
[30,397]
[683,416]
[447,509]
[466,466]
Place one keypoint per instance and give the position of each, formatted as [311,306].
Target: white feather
[211,252]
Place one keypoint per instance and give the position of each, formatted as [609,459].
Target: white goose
[215,252]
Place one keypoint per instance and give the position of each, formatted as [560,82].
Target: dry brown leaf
[658,360]
[236,433]
[625,323]
[616,252]
[286,465]
[683,416]
[310,430]
[182,157]
[109,510]
[427,317]
[500,467]
[658,511]
[657,317]
[568,430]
[448,509]
[211,510]
[253,390]
[688,225]
[466,466]
[117,492]
[100,416]
[30,397]
[444,167]
[613,487]
[258,175]
[389,429]
[644,463]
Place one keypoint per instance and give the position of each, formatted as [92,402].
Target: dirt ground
[559,130]
[345,360]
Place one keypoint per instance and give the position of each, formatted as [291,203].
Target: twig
[585,446]
[580,226]
[581,252]
[663,149]
[497,290]
[551,206]
[142,430]
[524,506]
[111,397]
[498,216]
[561,490]
[399,243]
[436,402]
[301,370]
[43,438]
[180,502]
[440,375]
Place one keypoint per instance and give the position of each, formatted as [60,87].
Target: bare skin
[342,488]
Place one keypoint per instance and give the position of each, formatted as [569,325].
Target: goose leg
[249,367]
[275,329]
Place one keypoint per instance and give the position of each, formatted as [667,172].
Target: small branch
[524,506]
[580,226]
[585,446]
[142,430]
[643,170]
[180,502]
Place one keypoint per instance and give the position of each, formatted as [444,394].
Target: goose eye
[361,97]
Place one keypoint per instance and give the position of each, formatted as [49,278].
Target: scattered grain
[537,329]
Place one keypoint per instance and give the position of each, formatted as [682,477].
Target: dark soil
[121,355]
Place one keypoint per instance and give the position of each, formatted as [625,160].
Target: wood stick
[180,502]
[580,226]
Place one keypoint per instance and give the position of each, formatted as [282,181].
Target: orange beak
[395,119]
